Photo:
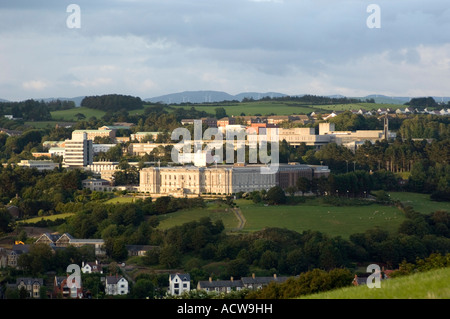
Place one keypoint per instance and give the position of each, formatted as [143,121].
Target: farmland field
[233,109]
[420,202]
[312,215]
[280,107]
[213,210]
[69,115]
[332,220]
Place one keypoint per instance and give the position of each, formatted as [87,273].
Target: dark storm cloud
[310,39]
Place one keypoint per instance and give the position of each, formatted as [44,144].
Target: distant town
[99,189]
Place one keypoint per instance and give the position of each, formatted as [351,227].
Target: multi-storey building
[92,134]
[220,179]
[78,151]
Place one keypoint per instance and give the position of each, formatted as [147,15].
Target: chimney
[275,276]
[253,275]
[210,279]
[231,279]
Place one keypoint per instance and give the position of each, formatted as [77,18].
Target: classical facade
[220,179]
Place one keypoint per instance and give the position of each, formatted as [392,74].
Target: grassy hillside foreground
[433,284]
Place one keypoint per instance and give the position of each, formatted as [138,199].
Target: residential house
[97,184]
[61,241]
[179,283]
[31,285]
[60,288]
[226,121]
[115,285]
[220,286]
[139,250]
[226,286]
[91,267]
[254,282]
[14,254]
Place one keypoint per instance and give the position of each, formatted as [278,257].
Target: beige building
[298,135]
[220,179]
[92,134]
[223,179]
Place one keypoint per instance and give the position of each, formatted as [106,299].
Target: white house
[91,267]
[179,283]
[115,285]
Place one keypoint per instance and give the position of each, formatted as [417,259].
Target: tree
[276,196]
[303,184]
[143,288]
[220,112]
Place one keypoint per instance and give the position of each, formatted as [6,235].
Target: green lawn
[52,217]
[433,284]
[420,202]
[332,220]
[281,108]
[212,210]
[69,115]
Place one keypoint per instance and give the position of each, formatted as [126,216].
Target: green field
[69,115]
[332,220]
[433,284]
[213,210]
[235,109]
[51,217]
[281,108]
[420,202]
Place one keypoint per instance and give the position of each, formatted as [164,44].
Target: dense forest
[112,102]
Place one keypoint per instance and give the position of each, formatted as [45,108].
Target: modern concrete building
[44,165]
[92,134]
[78,151]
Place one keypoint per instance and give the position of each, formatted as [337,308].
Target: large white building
[220,179]
[79,151]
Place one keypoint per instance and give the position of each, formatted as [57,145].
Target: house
[138,250]
[10,132]
[61,241]
[221,286]
[14,254]
[179,283]
[254,282]
[60,288]
[115,285]
[97,184]
[226,121]
[91,267]
[31,285]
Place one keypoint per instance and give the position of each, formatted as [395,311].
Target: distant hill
[208,96]
[77,100]
[219,96]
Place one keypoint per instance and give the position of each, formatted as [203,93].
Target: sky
[156,47]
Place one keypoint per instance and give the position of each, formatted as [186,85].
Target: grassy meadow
[433,284]
[234,109]
[69,115]
[281,107]
[213,210]
[312,215]
[420,202]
